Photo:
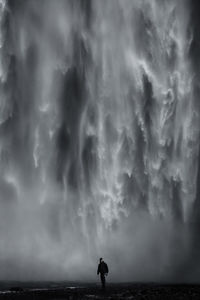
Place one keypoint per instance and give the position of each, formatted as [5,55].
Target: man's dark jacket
[102,268]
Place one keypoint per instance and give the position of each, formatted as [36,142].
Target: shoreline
[135,291]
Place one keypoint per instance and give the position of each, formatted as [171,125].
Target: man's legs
[103,280]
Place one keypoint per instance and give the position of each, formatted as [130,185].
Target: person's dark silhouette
[102,270]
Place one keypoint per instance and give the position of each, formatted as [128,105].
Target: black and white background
[99,139]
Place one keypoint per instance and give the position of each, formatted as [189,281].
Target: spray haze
[99,138]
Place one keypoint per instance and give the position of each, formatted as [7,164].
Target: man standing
[103,270]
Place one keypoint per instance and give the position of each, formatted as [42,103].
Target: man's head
[100,259]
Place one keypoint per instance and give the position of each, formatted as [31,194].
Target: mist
[99,139]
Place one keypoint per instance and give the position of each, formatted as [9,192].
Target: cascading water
[99,144]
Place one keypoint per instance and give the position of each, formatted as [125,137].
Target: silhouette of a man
[102,270]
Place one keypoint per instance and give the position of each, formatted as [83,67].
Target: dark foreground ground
[92,291]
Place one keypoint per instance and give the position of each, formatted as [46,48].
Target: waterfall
[99,144]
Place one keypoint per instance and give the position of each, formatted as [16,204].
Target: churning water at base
[99,138]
